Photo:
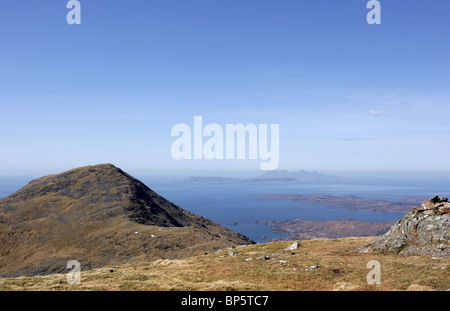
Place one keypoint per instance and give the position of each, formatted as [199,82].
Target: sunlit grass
[341,267]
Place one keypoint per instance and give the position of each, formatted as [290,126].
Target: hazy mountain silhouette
[280,177]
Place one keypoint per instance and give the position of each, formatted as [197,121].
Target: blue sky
[348,96]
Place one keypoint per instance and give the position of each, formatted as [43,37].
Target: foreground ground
[329,264]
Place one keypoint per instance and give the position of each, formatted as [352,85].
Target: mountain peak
[73,212]
[102,190]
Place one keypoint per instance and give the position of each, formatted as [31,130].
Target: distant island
[303,229]
[227,181]
[208,180]
[348,201]
[279,177]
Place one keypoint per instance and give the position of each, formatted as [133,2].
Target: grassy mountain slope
[98,215]
[329,264]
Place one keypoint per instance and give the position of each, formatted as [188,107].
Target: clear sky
[347,95]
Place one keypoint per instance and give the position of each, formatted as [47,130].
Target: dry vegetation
[98,215]
[341,267]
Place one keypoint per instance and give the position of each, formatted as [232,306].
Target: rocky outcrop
[423,231]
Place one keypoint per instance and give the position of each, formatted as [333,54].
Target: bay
[235,205]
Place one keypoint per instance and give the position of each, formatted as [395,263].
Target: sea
[236,207]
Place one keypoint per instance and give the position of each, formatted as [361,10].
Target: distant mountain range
[279,177]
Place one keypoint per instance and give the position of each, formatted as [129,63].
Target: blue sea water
[235,206]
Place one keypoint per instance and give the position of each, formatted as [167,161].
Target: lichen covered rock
[423,231]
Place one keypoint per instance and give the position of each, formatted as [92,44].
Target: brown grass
[341,268]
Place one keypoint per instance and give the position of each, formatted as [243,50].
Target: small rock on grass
[293,246]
